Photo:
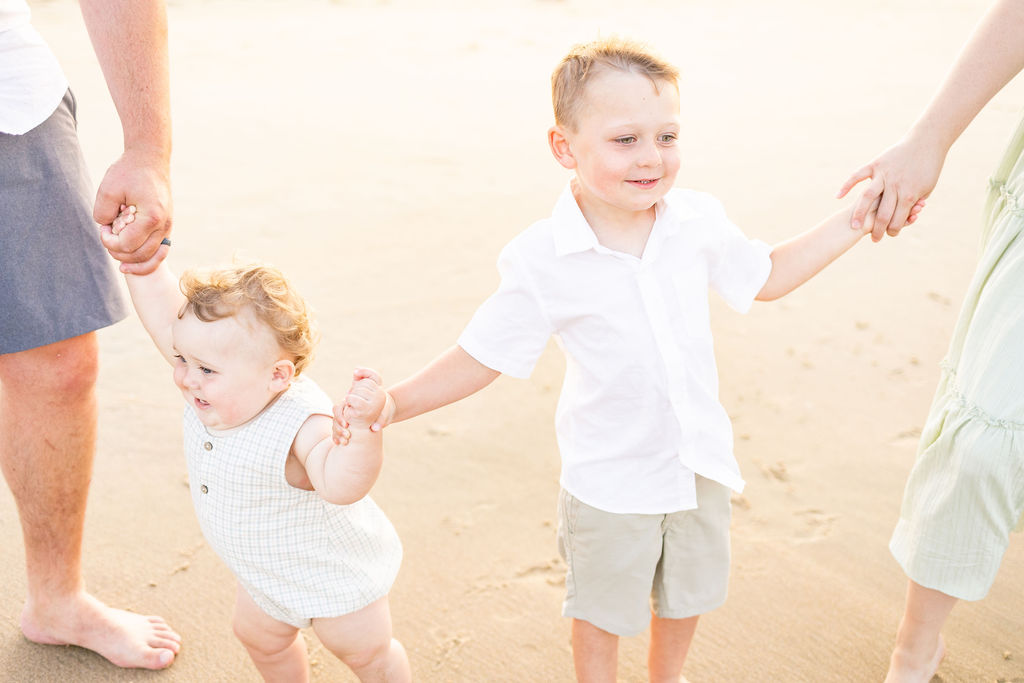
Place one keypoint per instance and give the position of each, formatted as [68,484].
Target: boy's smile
[623,148]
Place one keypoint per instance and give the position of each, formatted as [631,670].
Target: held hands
[902,177]
[139,180]
[365,406]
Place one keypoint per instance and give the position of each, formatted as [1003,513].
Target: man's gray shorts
[56,280]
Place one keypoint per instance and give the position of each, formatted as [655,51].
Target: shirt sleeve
[509,331]
[739,266]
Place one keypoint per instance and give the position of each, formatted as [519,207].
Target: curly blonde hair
[261,290]
[570,78]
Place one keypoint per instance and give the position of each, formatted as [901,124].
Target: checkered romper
[298,556]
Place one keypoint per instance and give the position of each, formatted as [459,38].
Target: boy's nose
[650,155]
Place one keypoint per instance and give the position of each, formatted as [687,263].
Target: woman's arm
[908,171]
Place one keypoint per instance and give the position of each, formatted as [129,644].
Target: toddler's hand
[124,218]
[364,402]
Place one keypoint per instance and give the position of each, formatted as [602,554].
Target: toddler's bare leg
[670,642]
[363,641]
[919,648]
[595,653]
[276,648]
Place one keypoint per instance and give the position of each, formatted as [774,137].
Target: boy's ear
[284,373]
[559,143]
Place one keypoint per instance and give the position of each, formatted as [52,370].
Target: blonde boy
[620,273]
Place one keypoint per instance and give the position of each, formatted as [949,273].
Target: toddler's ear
[558,140]
[284,373]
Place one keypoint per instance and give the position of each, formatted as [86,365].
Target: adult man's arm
[130,40]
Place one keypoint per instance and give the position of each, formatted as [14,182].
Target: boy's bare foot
[124,638]
[905,668]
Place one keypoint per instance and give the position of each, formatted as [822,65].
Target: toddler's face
[624,145]
[226,368]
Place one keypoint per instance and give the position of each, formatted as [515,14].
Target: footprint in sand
[815,525]
[447,648]
[551,572]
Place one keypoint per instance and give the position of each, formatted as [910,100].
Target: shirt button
[204,489]
[208,446]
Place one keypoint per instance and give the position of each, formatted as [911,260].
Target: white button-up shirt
[639,412]
[32,83]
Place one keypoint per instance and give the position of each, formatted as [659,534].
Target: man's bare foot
[904,668]
[124,638]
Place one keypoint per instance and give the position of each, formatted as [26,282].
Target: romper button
[204,489]
[208,446]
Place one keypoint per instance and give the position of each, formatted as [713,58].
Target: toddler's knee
[371,656]
[260,644]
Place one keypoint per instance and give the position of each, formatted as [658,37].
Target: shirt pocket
[691,297]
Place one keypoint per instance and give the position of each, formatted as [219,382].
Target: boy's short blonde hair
[571,76]
[260,290]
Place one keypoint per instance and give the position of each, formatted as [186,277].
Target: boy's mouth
[200,403]
[644,182]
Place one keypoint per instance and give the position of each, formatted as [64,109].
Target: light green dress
[965,493]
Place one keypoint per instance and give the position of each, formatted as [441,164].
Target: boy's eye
[179,358]
[626,140]
[668,138]
[205,371]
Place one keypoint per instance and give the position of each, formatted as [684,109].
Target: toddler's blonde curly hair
[263,291]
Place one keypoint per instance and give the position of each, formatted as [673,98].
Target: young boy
[621,272]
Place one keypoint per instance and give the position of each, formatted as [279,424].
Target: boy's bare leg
[47,441]
[277,649]
[595,653]
[670,642]
[919,648]
[363,641]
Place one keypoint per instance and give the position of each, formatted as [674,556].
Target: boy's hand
[872,217]
[362,406]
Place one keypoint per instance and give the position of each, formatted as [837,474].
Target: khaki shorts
[621,566]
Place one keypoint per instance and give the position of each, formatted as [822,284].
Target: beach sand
[381,153]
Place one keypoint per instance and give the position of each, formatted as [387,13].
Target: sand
[382,153]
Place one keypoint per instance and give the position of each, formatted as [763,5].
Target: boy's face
[227,369]
[624,147]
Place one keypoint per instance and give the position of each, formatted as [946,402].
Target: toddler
[284,507]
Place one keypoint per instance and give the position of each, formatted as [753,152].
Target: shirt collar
[573,234]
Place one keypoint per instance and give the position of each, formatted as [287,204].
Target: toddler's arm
[156,296]
[452,376]
[343,474]
[797,260]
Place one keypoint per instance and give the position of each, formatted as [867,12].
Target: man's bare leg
[47,441]
[919,648]
[670,643]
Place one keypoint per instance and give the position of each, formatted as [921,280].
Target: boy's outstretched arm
[452,376]
[344,473]
[800,258]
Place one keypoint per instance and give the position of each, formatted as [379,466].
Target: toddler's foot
[904,667]
[124,638]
